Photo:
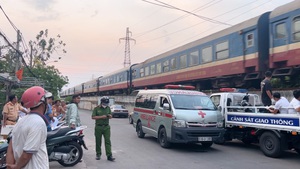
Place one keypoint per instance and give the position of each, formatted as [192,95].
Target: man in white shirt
[295,103]
[27,147]
[281,104]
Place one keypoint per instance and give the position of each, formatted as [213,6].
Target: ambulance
[177,114]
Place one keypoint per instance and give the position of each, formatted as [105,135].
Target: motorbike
[64,145]
[3,149]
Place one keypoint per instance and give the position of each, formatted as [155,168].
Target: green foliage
[51,76]
[41,49]
[68,99]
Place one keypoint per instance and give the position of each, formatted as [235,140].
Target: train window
[249,40]
[166,66]
[222,51]
[280,31]
[173,64]
[158,68]
[207,54]
[296,30]
[142,72]
[152,69]
[194,58]
[183,62]
[147,71]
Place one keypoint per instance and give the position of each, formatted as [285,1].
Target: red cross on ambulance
[202,114]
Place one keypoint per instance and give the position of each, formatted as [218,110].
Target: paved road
[134,153]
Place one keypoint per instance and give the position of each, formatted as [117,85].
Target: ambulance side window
[162,101]
[216,100]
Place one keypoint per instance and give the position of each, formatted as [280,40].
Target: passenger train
[234,57]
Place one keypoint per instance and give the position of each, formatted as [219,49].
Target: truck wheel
[162,138]
[206,144]
[270,144]
[139,130]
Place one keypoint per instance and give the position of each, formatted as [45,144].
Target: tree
[52,78]
[41,50]
[43,47]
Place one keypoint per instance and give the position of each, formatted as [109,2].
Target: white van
[177,116]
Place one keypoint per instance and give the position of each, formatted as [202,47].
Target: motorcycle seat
[58,132]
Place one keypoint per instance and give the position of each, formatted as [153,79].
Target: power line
[226,21]
[191,13]
[177,19]
[19,53]
[203,22]
[11,23]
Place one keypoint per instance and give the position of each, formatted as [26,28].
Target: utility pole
[127,39]
[17,60]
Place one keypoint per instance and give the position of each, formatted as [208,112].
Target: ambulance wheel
[162,138]
[206,144]
[139,130]
[270,144]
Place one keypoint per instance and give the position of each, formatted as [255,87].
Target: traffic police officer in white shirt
[281,104]
[295,103]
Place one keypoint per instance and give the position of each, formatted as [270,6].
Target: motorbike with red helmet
[63,143]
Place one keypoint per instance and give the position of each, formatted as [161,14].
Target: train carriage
[223,59]
[285,39]
[90,87]
[115,83]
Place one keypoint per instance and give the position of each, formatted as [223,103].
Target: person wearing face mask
[101,114]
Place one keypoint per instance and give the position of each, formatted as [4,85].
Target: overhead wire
[226,21]
[191,13]
[141,42]
[20,55]
[177,19]
[22,40]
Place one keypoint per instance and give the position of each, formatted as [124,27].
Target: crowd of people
[37,114]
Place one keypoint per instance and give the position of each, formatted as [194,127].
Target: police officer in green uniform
[101,115]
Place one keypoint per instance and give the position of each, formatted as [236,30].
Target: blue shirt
[49,111]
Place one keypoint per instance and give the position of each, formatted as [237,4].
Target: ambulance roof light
[179,87]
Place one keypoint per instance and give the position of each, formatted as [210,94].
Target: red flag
[19,74]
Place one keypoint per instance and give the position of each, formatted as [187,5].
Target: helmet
[33,97]
[105,100]
[48,94]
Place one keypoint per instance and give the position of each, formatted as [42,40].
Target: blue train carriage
[227,58]
[285,40]
[115,83]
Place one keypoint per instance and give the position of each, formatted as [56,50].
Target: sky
[92,29]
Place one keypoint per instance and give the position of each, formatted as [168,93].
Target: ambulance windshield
[192,102]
